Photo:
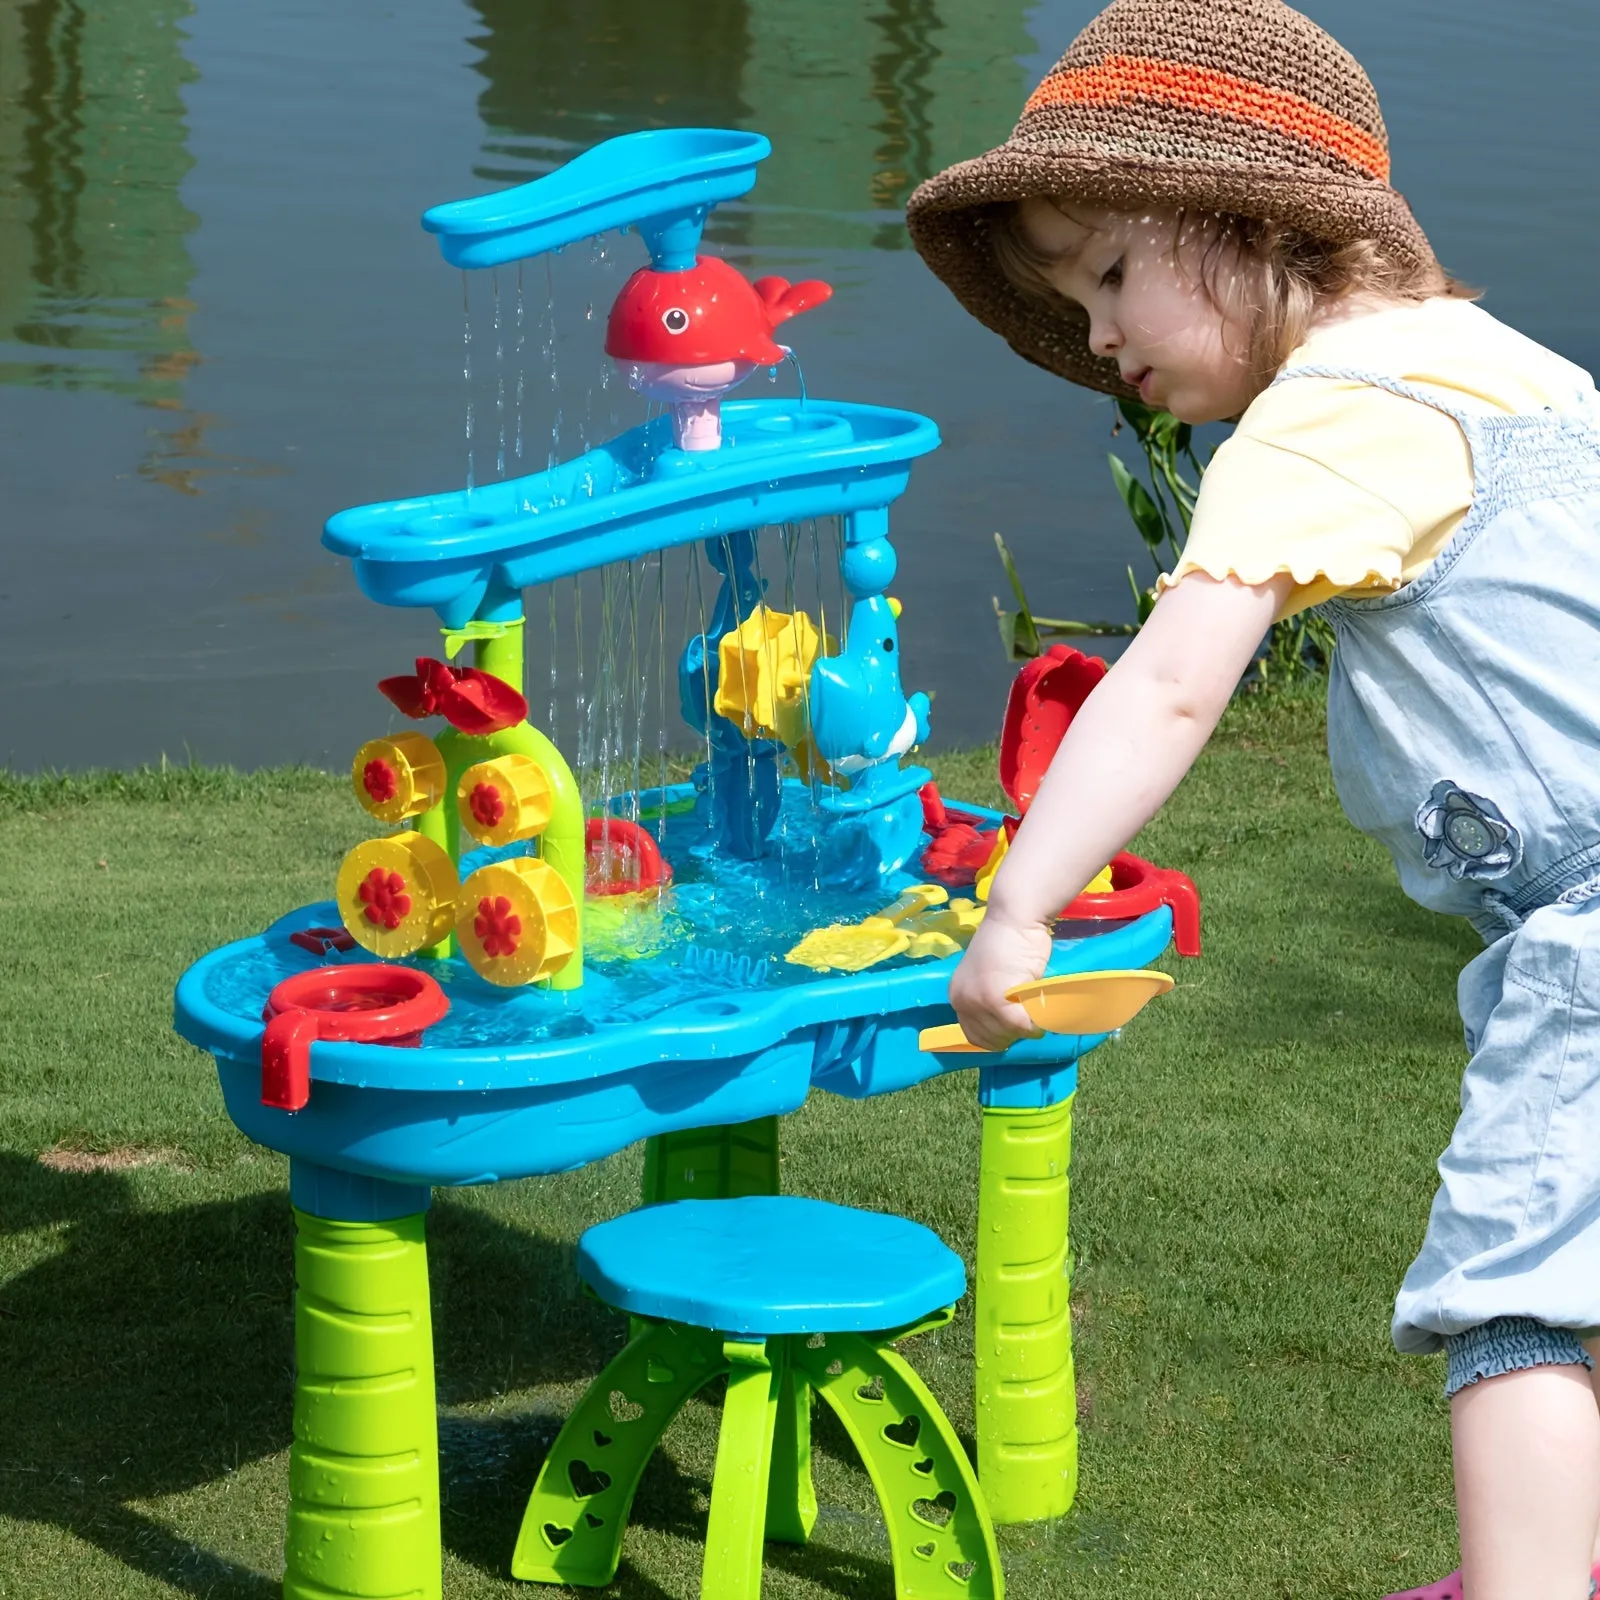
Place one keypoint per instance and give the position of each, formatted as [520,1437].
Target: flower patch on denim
[1465,834]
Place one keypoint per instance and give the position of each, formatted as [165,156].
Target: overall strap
[1465,419]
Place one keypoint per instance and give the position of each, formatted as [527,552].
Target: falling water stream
[603,709]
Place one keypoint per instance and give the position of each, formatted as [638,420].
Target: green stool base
[940,1534]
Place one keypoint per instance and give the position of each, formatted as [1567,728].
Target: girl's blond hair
[1284,274]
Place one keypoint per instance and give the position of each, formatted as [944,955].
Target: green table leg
[712,1163]
[364,1465]
[1027,1401]
[725,1164]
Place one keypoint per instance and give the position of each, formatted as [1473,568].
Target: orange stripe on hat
[1119,79]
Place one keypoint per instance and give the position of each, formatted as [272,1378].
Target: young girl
[1195,209]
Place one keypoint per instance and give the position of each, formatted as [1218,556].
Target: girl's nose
[1105,337]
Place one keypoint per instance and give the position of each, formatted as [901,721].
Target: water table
[515,983]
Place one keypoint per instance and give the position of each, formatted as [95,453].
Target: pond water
[220,322]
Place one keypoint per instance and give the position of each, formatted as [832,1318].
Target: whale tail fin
[784,299]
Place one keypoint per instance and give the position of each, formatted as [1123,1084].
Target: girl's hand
[1002,954]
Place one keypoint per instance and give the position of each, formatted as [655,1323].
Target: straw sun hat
[1240,106]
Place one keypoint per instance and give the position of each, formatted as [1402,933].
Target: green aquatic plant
[1161,510]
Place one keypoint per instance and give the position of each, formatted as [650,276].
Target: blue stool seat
[771,1264]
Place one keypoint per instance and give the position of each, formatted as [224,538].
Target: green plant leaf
[1018,633]
[1146,514]
[1144,600]
[1138,416]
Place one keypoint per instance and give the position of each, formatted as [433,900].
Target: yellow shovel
[1080,1002]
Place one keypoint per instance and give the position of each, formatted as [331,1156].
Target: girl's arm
[1126,751]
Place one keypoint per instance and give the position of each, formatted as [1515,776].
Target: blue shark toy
[861,719]
[863,723]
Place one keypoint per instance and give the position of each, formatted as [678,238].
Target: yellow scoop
[1080,1002]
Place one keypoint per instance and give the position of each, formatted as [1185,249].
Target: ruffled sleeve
[1265,511]
[1318,482]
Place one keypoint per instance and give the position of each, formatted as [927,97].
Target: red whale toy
[688,337]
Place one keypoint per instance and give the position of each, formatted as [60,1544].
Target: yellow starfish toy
[923,923]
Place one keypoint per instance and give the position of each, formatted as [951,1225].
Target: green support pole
[1027,1400]
[364,1465]
[712,1163]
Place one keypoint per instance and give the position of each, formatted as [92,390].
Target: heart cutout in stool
[601,1440]
[593,1521]
[924,1466]
[961,1570]
[555,1536]
[872,1391]
[904,1433]
[623,1409]
[586,1482]
[655,1372]
[936,1512]
[924,1550]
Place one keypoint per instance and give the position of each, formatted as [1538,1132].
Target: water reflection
[861,102]
[94,262]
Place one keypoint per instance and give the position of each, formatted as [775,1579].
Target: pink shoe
[1445,1589]
[1450,1588]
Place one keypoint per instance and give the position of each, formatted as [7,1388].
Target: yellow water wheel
[517,921]
[397,895]
[399,777]
[505,799]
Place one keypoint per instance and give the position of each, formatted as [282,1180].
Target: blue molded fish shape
[861,718]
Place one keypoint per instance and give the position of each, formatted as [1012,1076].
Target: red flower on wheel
[380,780]
[384,895]
[487,805]
[497,926]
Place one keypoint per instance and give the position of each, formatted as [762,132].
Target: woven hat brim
[949,218]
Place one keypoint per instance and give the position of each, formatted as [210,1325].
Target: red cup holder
[1138,886]
[620,857]
[375,1003]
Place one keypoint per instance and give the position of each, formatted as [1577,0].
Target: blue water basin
[688,1015]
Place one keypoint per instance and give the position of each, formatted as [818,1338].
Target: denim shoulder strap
[1467,420]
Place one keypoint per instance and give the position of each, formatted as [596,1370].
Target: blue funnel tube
[662,181]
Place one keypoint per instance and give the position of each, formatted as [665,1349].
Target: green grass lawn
[1253,1167]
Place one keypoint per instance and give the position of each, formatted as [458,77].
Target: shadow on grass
[488,1466]
[153,1354]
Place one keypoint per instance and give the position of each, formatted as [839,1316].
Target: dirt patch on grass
[121,1159]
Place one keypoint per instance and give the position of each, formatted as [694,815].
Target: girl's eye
[1112,276]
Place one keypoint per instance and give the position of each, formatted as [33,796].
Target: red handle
[286,1060]
[1140,887]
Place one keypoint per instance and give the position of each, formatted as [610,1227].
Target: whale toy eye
[888,647]
[675,320]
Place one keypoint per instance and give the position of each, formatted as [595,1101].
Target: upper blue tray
[780,462]
[664,181]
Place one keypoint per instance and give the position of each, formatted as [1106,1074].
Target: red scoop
[1044,698]
[375,1003]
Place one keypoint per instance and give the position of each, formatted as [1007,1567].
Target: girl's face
[1148,310]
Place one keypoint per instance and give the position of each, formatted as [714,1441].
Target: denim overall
[1464,734]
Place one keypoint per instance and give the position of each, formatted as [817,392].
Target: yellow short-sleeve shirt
[1349,488]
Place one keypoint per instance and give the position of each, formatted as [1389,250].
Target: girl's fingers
[994,1028]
